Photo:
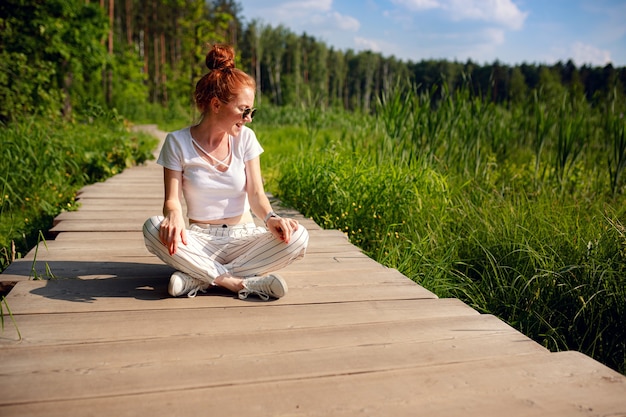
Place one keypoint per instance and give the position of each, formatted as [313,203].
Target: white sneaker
[272,285]
[181,284]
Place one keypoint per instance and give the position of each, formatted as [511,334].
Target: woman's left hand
[282,228]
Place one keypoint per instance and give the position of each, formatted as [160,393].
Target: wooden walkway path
[351,337]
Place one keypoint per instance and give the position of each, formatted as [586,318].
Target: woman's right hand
[172,232]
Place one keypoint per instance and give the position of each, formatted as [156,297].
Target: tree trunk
[155,45]
[129,22]
[163,73]
[279,92]
[109,74]
[67,83]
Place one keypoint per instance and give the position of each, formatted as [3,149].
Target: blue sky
[511,31]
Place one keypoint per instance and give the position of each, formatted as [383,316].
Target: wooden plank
[193,317]
[122,224]
[101,237]
[129,188]
[150,207]
[133,244]
[133,241]
[147,266]
[563,384]
[115,294]
[334,235]
[138,216]
[100,253]
[121,192]
[151,181]
[139,367]
[102,225]
[104,252]
[150,265]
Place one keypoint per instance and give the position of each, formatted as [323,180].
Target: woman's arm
[259,203]
[173,229]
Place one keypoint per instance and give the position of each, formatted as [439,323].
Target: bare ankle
[234,284]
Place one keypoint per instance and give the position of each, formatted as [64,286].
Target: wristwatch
[269,215]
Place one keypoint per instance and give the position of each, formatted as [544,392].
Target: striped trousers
[242,250]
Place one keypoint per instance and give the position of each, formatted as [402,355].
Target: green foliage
[129,85]
[26,87]
[50,52]
[507,208]
[555,272]
[43,164]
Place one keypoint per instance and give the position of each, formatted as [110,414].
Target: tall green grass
[44,163]
[517,210]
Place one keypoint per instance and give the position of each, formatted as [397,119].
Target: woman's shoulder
[246,136]
[180,138]
[180,134]
[247,143]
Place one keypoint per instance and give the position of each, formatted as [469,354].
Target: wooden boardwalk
[351,338]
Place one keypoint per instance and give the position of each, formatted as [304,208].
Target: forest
[501,185]
[60,55]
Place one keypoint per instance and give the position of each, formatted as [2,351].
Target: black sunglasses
[248,112]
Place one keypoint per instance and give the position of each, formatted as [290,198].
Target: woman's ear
[215,104]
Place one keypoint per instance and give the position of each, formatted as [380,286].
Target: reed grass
[44,163]
[516,210]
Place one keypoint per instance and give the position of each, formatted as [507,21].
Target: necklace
[218,162]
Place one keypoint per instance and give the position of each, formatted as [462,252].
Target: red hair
[223,81]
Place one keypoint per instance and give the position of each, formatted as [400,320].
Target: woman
[215,166]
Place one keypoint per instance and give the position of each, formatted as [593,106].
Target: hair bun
[220,57]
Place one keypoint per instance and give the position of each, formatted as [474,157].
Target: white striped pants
[243,250]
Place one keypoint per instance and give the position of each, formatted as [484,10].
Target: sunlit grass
[518,211]
[44,163]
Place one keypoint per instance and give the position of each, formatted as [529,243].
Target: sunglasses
[248,112]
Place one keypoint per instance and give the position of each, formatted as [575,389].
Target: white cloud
[280,11]
[494,36]
[305,6]
[328,22]
[367,44]
[418,5]
[502,12]
[588,54]
[484,46]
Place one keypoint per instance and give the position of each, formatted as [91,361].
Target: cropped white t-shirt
[211,194]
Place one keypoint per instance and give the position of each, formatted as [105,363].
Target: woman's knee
[152,225]
[300,237]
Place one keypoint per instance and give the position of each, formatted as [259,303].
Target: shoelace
[243,294]
[193,292]
[193,286]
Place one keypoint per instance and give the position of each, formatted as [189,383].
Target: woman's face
[231,113]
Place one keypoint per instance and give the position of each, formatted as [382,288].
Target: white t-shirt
[211,194]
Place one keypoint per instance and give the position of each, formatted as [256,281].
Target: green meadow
[44,163]
[517,210]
